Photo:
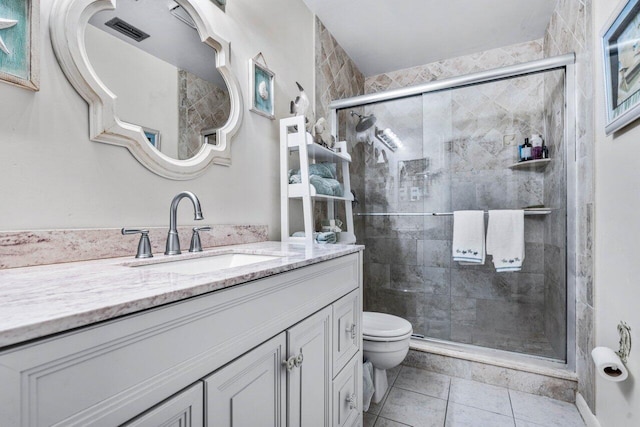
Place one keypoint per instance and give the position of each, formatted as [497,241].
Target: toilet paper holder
[624,330]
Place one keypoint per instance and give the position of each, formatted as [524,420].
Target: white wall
[617,267]
[53,176]
[147,87]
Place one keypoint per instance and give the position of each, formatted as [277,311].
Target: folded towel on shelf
[323,178]
[505,239]
[324,238]
[468,237]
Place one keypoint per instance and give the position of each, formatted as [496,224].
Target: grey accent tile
[425,382]
[392,375]
[368,420]
[521,423]
[544,411]
[481,396]
[465,416]
[414,409]
[383,422]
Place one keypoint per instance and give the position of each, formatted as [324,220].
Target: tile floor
[421,398]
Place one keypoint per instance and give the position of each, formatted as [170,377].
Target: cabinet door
[250,390]
[309,382]
[346,330]
[185,409]
[347,395]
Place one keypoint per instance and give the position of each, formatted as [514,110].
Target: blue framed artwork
[262,89]
[19,50]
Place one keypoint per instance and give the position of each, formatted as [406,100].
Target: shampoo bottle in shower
[526,150]
[536,150]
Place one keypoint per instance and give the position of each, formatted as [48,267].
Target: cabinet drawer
[186,409]
[346,330]
[346,395]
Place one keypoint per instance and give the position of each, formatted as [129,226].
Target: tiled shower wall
[570,30]
[203,105]
[455,156]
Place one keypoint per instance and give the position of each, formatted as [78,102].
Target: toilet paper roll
[608,364]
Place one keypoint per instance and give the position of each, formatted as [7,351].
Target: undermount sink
[207,264]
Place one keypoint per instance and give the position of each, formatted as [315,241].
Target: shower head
[365,122]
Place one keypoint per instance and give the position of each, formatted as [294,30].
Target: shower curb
[556,383]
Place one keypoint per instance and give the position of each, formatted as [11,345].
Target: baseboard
[589,419]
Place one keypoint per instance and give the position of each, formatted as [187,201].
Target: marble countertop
[39,301]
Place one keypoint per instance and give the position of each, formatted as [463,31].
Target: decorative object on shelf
[19,48]
[322,133]
[621,49]
[261,86]
[301,106]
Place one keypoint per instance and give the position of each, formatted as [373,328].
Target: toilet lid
[384,325]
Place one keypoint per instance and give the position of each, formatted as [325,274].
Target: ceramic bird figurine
[322,134]
[301,106]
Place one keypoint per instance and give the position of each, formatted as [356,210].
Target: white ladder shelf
[294,138]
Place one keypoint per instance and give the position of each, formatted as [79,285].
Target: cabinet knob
[353,329]
[352,401]
[289,363]
[298,360]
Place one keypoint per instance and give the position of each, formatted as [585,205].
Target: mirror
[155,77]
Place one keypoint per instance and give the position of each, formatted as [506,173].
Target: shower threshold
[521,362]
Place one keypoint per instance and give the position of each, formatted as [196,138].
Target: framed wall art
[261,87]
[621,55]
[19,48]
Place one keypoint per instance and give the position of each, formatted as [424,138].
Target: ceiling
[387,35]
[171,40]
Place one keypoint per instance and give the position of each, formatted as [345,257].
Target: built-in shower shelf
[531,165]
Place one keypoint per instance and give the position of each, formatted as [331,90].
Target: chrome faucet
[173,242]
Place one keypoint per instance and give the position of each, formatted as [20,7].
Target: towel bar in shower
[527,212]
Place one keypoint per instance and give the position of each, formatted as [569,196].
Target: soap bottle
[536,150]
[545,151]
[526,150]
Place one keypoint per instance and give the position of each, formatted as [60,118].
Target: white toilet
[385,344]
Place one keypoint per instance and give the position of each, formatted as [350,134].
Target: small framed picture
[153,136]
[621,55]
[19,48]
[262,89]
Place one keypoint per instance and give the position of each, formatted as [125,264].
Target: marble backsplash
[42,247]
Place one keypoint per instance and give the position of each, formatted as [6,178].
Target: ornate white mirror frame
[69,19]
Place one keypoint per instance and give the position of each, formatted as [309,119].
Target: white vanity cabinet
[229,344]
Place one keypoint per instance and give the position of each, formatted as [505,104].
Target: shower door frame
[562,62]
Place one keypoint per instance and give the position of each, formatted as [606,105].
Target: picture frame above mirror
[19,43]
[69,20]
[261,88]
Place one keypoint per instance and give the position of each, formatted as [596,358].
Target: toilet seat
[384,327]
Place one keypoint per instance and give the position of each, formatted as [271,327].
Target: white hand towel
[468,237]
[505,239]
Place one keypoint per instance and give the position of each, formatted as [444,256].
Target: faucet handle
[196,245]
[144,246]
